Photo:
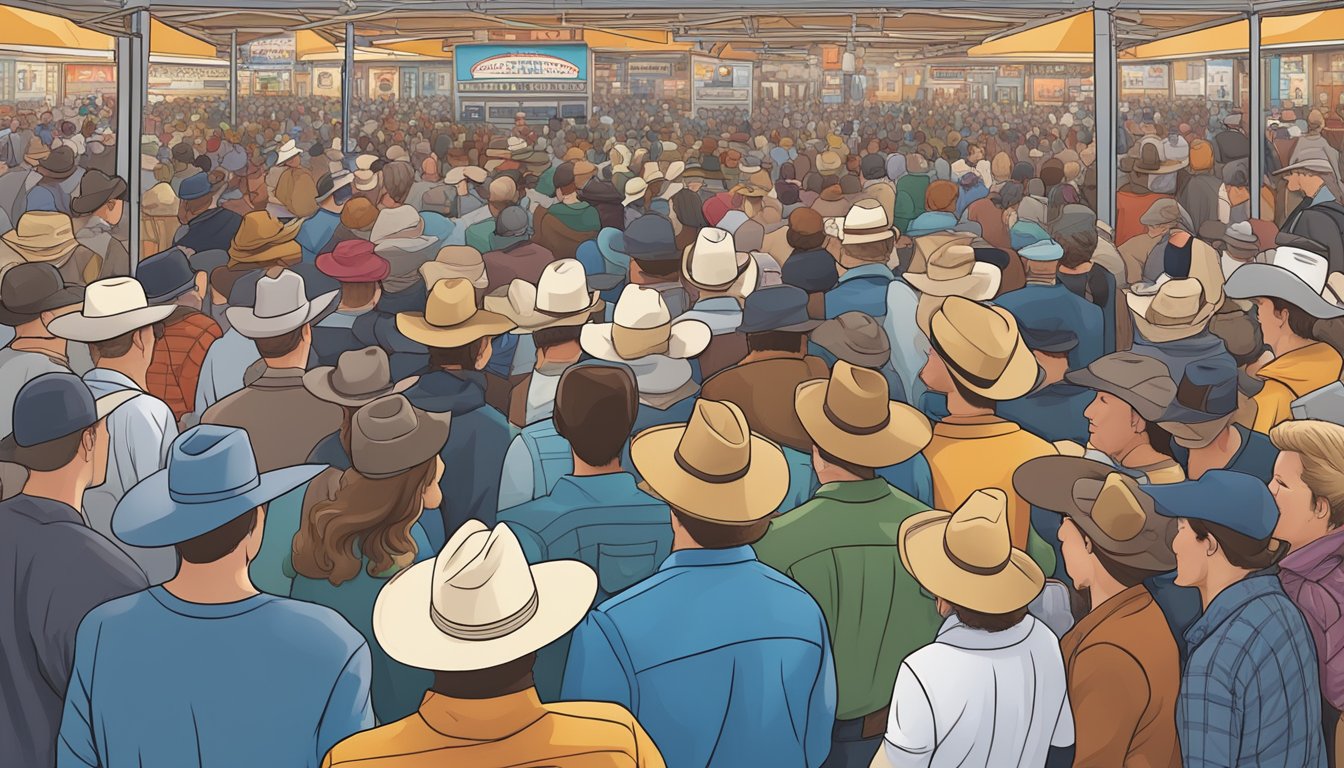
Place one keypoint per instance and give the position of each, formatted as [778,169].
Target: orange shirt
[512,730]
[1129,208]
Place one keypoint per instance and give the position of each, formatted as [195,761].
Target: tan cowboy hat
[952,270]
[866,222]
[112,306]
[967,558]
[456,261]
[713,263]
[1178,309]
[389,436]
[478,604]
[451,318]
[851,417]
[927,245]
[983,348]
[559,299]
[642,326]
[359,376]
[713,467]
[262,238]
[42,236]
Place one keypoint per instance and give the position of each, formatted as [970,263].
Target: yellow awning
[21,27]
[1304,29]
[308,43]
[166,41]
[432,48]
[1068,38]
[638,40]
[1315,28]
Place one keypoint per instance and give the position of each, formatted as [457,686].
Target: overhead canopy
[166,41]
[308,44]
[1069,38]
[1303,30]
[27,29]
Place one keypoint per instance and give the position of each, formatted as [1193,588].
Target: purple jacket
[1313,577]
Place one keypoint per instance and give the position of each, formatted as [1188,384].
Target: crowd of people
[822,435]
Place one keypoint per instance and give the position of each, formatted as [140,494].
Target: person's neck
[1080,269]
[1216,455]
[65,485]
[1220,576]
[958,407]
[1140,454]
[36,337]
[1103,588]
[1287,343]
[331,205]
[343,307]
[224,581]
[832,474]
[584,469]
[129,366]
[296,359]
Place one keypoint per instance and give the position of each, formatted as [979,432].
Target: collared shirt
[1324,195]
[56,570]
[980,698]
[861,289]
[1313,578]
[723,659]
[723,314]
[510,730]
[1251,695]
[222,372]
[839,547]
[139,434]
[284,420]
[172,689]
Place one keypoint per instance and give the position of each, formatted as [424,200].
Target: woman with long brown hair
[355,537]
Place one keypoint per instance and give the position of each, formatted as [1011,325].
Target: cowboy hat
[95,189]
[1178,309]
[456,261]
[59,164]
[952,270]
[42,236]
[472,173]
[1107,506]
[478,604]
[1294,275]
[262,238]
[211,479]
[712,263]
[851,416]
[866,222]
[634,190]
[713,467]
[166,275]
[560,298]
[451,318]
[353,261]
[983,349]
[1141,381]
[642,326]
[286,152]
[281,306]
[389,436]
[1312,160]
[1149,161]
[359,376]
[777,308]
[967,558]
[854,337]
[112,306]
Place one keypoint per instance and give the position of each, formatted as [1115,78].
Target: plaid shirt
[1250,695]
[178,356]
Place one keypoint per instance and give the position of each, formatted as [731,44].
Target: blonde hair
[1321,446]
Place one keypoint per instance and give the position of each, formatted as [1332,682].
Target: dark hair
[667,268]
[858,470]
[1078,246]
[873,253]
[1127,575]
[464,357]
[1299,322]
[279,346]
[689,210]
[53,453]
[1241,550]
[397,180]
[117,346]
[489,683]
[973,399]
[554,337]
[595,409]
[721,535]
[805,242]
[213,545]
[989,622]
[1158,438]
[776,341]
[358,294]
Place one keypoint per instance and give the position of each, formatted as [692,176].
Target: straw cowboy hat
[1176,310]
[642,326]
[287,151]
[262,238]
[713,263]
[713,467]
[634,190]
[866,222]
[966,557]
[1107,506]
[478,604]
[983,349]
[1296,276]
[851,417]
[952,270]
[281,307]
[559,299]
[459,174]
[451,318]
[389,436]
[456,261]
[112,306]
[42,236]
[359,376]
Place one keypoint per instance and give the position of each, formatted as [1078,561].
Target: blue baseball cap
[1042,250]
[1236,501]
[194,187]
[52,406]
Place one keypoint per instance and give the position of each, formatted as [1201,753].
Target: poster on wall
[176,77]
[383,83]
[1155,77]
[1293,87]
[1219,78]
[1049,90]
[327,81]
[721,84]
[1131,77]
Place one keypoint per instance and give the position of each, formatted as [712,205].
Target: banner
[90,73]
[1218,75]
[1155,77]
[271,52]
[512,62]
[648,68]
[173,77]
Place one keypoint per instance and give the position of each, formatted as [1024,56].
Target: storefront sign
[173,77]
[504,62]
[947,74]
[648,68]
[1049,90]
[271,52]
[489,87]
[1012,71]
[90,73]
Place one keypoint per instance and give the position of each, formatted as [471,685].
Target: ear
[1320,506]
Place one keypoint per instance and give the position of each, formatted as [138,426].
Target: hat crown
[563,288]
[1177,302]
[452,301]
[29,284]
[386,419]
[279,295]
[713,259]
[977,536]
[361,372]
[866,215]
[50,406]
[398,222]
[45,224]
[949,263]
[641,308]
[209,463]
[1117,510]
[482,586]
[716,446]
[113,296]
[980,339]
[1310,268]
[857,399]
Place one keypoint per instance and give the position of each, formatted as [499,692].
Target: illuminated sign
[513,62]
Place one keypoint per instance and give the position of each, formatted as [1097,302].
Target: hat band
[852,428]
[866,230]
[182,497]
[564,313]
[708,477]
[978,570]
[973,379]
[335,387]
[489,631]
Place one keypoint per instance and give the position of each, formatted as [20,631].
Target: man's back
[262,681]
[283,419]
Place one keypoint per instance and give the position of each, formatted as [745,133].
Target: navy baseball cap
[194,187]
[1234,500]
[52,406]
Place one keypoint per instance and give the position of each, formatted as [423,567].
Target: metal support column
[233,79]
[347,84]
[132,86]
[1104,94]
[1254,115]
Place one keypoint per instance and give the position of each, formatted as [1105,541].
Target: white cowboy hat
[281,307]
[1296,276]
[866,222]
[457,175]
[400,227]
[112,307]
[560,298]
[478,604]
[713,263]
[952,270]
[634,189]
[286,151]
[642,326]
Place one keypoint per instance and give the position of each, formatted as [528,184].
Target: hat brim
[531,319]
[39,254]
[1269,281]
[1019,376]
[404,628]
[981,285]
[390,459]
[1138,308]
[286,155]
[413,326]
[77,327]
[754,496]
[921,544]
[245,320]
[1084,377]
[148,517]
[67,296]
[83,205]
[686,339]
[906,434]
[318,382]
[35,459]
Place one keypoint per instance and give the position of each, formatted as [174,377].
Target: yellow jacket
[511,730]
[1287,378]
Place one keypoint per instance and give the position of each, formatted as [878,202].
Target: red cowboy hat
[353,261]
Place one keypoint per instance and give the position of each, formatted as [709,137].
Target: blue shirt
[1053,413]
[1078,314]
[262,681]
[861,289]
[1255,456]
[723,660]
[316,231]
[1251,694]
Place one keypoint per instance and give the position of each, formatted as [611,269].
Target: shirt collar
[855,491]
[109,376]
[1230,600]
[1323,196]
[279,378]
[958,635]
[868,270]
[1318,558]
[481,719]
[695,558]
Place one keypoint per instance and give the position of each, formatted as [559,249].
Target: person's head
[112,210]
[714,535]
[557,344]
[1282,323]
[806,231]
[360,295]
[397,180]
[1079,244]
[595,408]
[72,443]
[1204,550]
[1116,429]
[470,357]
[240,538]
[1306,182]
[938,378]
[133,350]
[1308,482]
[974,153]
[1086,562]
[858,254]
[294,344]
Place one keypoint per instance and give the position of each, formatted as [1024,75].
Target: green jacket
[841,548]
